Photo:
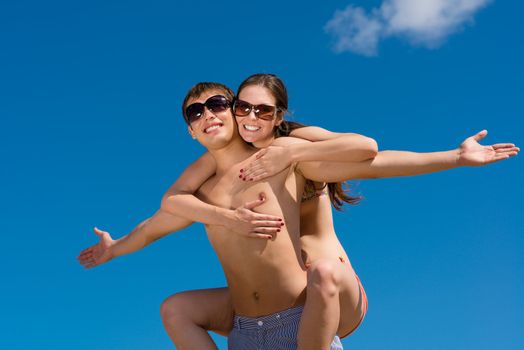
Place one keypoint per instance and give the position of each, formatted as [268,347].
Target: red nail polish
[239,176]
[278,230]
[241,170]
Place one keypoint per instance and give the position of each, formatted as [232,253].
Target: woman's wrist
[455,155]
[296,152]
[225,217]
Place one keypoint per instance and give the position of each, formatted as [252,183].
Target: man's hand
[268,162]
[471,153]
[246,222]
[98,253]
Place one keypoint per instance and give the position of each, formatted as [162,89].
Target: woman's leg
[187,317]
[353,301]
[320,317]
[333,305]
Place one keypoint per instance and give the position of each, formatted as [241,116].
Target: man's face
[214,130]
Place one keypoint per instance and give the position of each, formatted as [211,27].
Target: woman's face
[252,129]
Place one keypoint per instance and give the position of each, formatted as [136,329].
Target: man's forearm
[159,225]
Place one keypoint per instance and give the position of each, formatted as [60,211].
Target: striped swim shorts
[278,331]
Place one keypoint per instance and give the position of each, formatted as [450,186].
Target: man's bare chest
[221,190]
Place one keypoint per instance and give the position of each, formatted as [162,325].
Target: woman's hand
[99,253]
[471,153]
[268,162]
[246,222]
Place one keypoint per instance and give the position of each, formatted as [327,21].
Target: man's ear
[191,132]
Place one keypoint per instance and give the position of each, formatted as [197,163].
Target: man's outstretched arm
[148,231]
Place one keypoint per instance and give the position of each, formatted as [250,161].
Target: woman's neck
[264,143]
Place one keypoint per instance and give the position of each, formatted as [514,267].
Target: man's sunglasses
[264,112]
[215,104]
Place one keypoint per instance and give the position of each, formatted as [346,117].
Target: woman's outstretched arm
[403,163]
[469,153]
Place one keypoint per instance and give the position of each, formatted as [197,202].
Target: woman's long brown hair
[338,191]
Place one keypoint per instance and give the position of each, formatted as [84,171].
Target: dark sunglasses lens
[242,108]
[265,112]
[194,112]
[217,104]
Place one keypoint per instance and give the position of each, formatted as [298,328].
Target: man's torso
[264,276]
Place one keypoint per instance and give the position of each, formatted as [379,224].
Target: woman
[332,285]
[336,302]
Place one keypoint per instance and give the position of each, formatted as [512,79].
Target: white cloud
[422,22]
[355,31]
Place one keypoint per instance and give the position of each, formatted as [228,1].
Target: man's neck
[232,154]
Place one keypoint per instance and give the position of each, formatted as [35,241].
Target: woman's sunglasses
[215,104]
[264,112]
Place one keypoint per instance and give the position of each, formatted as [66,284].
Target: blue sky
[92,135]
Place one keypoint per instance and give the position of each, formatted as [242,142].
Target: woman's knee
[324,276]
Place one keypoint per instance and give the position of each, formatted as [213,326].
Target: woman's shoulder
[287,140]
[313,133]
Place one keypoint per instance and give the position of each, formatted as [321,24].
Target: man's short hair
[197,90]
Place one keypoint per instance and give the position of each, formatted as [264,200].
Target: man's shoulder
[207,185]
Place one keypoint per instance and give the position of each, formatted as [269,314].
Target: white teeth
[211,128]
[251,128]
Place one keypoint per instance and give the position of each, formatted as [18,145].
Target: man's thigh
[210,309]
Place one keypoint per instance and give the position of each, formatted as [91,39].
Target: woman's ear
[279,119]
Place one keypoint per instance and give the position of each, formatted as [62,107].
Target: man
[265,277]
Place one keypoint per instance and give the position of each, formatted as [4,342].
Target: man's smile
[212,127]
